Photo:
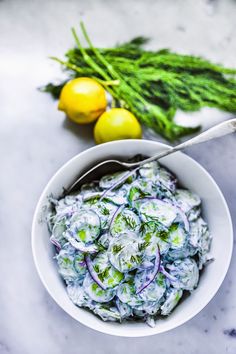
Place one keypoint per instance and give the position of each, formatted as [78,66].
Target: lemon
[83,100]
[117,124]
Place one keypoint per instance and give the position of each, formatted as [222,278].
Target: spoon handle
[217,131]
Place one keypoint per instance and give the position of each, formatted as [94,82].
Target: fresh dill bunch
[152,84]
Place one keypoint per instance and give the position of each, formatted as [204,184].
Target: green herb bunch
[152,84]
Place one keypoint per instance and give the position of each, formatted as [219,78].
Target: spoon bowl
[113,165]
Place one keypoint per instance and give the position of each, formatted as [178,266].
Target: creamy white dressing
[130,253]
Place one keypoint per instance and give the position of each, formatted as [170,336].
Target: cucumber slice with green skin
[124,309]
[105,210]
[139,312]
[72,200]
[79,263]
[155,209]
[81,246]
[181,253]
[108,181]
[177,236]
[135,193]
[172,298]
[162,192]
[91,198]
[58,230]
[68,205]
[154,234]
[140,189]
[85,226]
[200,237]
[110,314]
[104,240]
[95,292]
[166,179]
[149,170]
[124,221]
[194,213]
[148,308]
[78,296]
[186,273]
[118,198]
[89,187]
[65,262]
[154,291]
[127,294]
[187,200]
[125,252]
[108,275]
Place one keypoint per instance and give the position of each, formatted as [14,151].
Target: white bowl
[191,175]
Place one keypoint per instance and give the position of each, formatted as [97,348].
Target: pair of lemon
[84,101]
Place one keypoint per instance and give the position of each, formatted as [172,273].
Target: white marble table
[35,139]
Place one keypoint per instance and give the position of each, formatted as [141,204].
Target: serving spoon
[217,131]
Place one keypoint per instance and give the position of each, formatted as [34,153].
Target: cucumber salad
[130,245]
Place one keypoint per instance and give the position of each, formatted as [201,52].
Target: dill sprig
[152,84]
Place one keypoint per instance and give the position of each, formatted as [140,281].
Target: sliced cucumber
[140,189]
[95,292]
[108,181]
[181,253]
[126,293]
[194,213]
[154,234]
[119,197]
[89,187]
[186,273]
[177,236]
[65,261]
[172,298]
[149,170]
[124,221]
[58,230]
[166,179]
[104,240]
[109,313]
[107,274]
[155,209]
[187,200]
[85,226]
[200,237]
[79,263]
[125,253]
[124,309]
[154,291]
[105,210]
[78,296]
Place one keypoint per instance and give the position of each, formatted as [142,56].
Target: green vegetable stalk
[152,84]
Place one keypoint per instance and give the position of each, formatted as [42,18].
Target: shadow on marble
[80,131]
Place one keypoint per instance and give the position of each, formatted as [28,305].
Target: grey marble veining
[35,140]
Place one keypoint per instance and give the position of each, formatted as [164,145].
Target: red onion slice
[92,272]
[183,217]
[55,243]
[152,276]
[167,275]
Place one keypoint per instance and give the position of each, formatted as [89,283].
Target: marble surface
[35,140]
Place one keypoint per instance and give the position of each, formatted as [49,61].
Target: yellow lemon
[117,124]
[83,100]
